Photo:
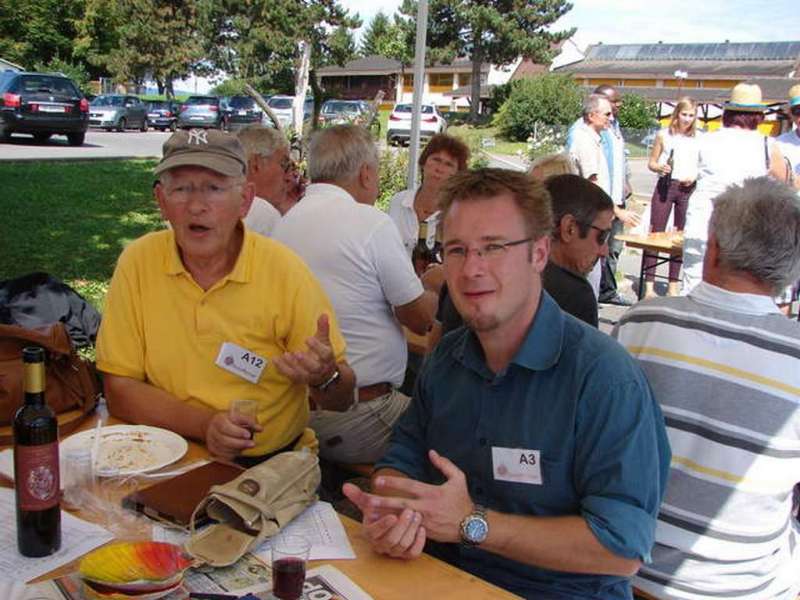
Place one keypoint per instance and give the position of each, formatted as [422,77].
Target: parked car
[335,112]
[162,114]
[399,124]
[282,107]
[118,111]
[241,111]
[42,104]
[202,111]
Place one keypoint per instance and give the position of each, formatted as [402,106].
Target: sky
[638,21]
[676,21]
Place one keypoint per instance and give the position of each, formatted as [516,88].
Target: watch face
[475,530]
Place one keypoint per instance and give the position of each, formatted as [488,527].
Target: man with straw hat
[789,142]
[727,156]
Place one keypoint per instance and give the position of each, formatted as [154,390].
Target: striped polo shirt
[724,367]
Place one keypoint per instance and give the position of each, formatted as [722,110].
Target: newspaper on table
[248,576]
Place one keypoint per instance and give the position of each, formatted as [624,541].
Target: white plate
[130,449]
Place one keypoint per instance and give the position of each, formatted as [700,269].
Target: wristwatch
[328,382]
[474,528]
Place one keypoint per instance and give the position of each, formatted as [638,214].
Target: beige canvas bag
[253,507]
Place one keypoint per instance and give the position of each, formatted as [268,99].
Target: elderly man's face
[271,175]
[600,118]
[493,274]
[204,209]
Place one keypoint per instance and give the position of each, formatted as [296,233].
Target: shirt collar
[407,198]
[241,268]
[751,304]
[539,351]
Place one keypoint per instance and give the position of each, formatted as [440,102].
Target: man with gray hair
[723,364]
[269,170]
[585,146]
[356,252]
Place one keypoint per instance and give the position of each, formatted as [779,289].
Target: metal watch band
[328,382]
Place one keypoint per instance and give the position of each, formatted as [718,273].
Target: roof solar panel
[713,51]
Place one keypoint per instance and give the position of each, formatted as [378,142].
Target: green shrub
[637,112]
[551,99]
[393,171]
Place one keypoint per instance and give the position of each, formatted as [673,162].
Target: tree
[37,31]
[97,35]
[339,48]
[637,112]
[550,99]
[374,40]
[156,38]
[493,31]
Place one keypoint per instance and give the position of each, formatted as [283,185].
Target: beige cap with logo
[209,148]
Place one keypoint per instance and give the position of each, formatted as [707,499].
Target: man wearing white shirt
[269,170]
[356,252]
[722,363]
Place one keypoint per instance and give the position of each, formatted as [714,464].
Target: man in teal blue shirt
[533,454]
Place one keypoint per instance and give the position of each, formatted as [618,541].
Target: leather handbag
[71,385]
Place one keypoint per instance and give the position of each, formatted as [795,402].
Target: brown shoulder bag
[71,388]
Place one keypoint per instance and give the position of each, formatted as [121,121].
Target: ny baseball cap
[209,148]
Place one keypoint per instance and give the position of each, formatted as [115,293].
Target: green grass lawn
[473,134]
[72,219]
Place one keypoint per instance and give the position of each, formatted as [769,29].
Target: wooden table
[664,246]
[382,577]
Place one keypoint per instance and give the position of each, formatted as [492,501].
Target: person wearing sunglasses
[582,216]
[269,169]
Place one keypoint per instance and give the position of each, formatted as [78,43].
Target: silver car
[202,111]
[118,112]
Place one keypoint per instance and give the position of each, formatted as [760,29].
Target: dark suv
[241,111]
[162,114]
[42,104]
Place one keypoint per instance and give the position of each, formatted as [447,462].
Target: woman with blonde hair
[674,158]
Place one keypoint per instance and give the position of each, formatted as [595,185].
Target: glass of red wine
[289,557]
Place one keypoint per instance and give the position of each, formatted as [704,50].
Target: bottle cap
[33,354]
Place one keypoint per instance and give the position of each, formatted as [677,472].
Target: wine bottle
[670,164]
[36,464]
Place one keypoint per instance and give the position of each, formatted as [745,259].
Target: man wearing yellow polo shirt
[207,312]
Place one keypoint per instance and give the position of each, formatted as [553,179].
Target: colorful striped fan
[134,566]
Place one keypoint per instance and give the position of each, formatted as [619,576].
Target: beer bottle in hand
[36,464]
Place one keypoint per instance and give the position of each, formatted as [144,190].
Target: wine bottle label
[36,476]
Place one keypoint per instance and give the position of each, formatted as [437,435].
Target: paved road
[99,144]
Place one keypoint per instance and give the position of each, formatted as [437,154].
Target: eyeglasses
[211,192]
[491,252]
[602,234]
[795,110]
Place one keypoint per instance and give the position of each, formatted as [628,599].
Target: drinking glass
[78,478]
[289,557]
[246,407]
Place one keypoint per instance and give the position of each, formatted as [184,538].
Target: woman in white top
[674,157]
[730,155]
[443,157]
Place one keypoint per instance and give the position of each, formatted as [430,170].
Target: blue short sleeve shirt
[574,395]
